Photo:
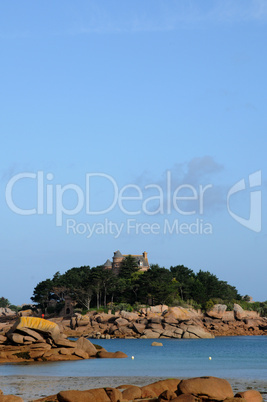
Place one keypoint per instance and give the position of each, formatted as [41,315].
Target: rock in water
[111,355]
[86,346]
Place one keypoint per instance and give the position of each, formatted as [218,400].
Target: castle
[118,258]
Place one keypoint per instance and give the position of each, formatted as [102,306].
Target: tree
[74,277]
[198,292]
[4,302]
[128,280]
[83,296]
[76,283]
[156,286]
[185,278]
[207,286]
[108,281]
[96,283]
[43,293]
[101,281]
[128,267]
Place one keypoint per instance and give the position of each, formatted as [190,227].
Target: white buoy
[132,357]
[209,358]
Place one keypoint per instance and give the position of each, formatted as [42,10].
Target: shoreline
[35,387]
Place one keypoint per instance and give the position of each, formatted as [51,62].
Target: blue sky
[139,92]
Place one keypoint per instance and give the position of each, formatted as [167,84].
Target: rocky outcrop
[86,346]
[111,355]
[250,395]
[5,311]
[83,396]
[208,389]
[40,325]
[194,331]
[237,322]
[114,394]
[32,338]
[180,313]
[238,312]
[154,322]
[10,398]
[174,322]
[26,313]
[241,314]
[155,389]
[131,393]
[217,311]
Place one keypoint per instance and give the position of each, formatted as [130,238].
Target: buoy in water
[209,358]
[132,357]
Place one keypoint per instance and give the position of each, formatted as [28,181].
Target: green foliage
[178,302]
[196,305]
[128,267]
[59,306]
[245,305]
[123,306]
[13,308]
[4,302]
[102,310]
[156,286]
[209,304]
[51,309]
[138,306]
[78,310]
[55,308]
[100,288]
[263,309]
[230,305]
[43,293]
[27,307]
[259,307]
[185,280]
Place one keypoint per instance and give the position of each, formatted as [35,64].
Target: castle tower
[108,264]
[117,260]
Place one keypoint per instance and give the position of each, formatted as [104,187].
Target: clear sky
[151,100]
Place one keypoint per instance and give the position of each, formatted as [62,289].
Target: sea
[239,357]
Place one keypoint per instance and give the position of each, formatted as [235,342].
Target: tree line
[99,287]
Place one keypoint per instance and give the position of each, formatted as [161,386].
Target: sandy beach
[33,387]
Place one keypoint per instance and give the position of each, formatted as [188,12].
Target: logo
[254,220]
[180,202]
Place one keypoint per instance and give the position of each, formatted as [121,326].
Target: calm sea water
[231,357]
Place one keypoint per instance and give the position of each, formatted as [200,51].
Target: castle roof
[108,263]
[118,254]
[139,259]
